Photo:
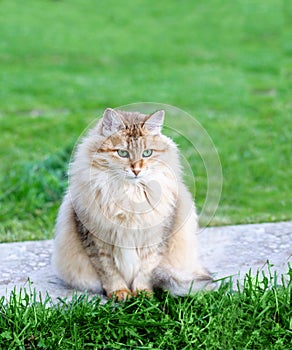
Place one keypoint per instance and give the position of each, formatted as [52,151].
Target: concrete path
[228,250]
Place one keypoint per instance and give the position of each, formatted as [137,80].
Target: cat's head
[132,146]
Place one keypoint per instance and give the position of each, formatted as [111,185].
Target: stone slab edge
[225,251]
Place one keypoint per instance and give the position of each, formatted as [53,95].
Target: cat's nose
[136,171]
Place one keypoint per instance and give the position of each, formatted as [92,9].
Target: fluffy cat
[127,222]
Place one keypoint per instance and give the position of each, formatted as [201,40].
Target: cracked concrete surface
[225,251]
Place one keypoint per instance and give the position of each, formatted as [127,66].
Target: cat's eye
[147,153]
[123,153]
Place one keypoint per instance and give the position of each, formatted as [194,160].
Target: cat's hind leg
[70,261]
[180,270]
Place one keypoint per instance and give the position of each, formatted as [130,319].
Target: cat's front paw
[120,294]
[147,292]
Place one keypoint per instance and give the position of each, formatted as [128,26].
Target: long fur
[127,223]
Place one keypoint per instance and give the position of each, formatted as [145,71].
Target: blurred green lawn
[228,63]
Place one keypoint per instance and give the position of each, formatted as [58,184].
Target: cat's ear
[111,122]
[155,121]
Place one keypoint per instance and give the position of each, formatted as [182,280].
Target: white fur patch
[127,262]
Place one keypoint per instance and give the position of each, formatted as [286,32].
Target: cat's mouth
[134,178]
[134,175]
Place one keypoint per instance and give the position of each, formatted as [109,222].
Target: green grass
[255,316]
[228,63]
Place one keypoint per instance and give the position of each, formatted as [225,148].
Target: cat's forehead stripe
[133,137]
[134,130]
[112,144]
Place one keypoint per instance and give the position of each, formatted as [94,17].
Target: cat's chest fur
[127,261]
[138,205]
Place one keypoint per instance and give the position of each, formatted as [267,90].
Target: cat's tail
[181,283]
